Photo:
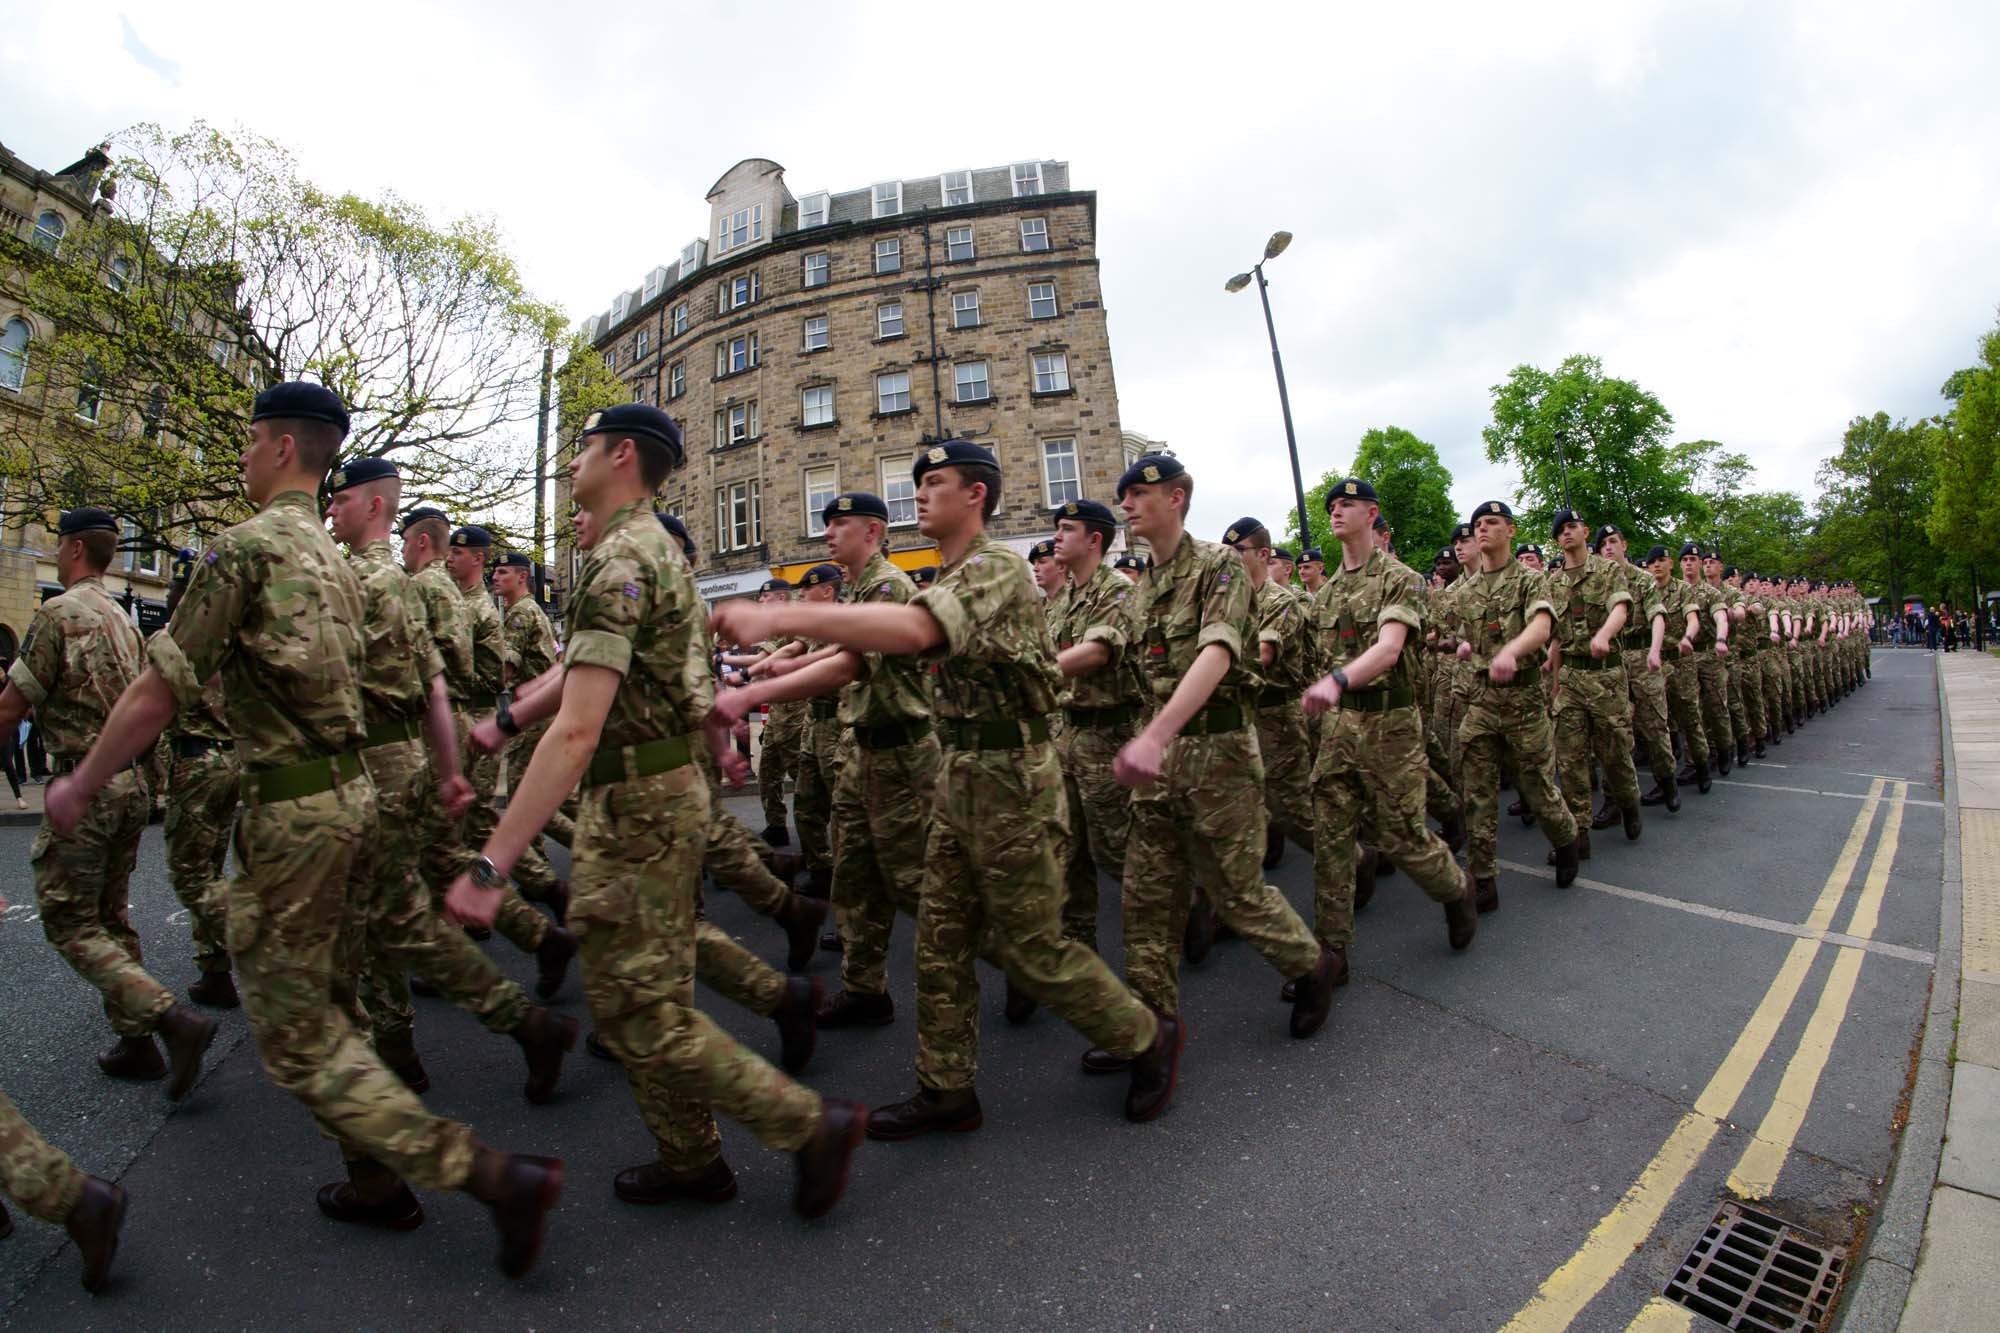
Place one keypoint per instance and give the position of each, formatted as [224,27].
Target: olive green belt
[992,733]
[289,782]
[1215,720]
[1377,700]
[824,709]
[1112,715]
[891,735]
[66,765]
[1522,676]
[630,762]
[1585,662]
[388,731]
[1271,696]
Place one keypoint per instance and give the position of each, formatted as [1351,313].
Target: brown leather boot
[1564,859]
[1289,992]
[371,1196]
[521,1190]
[216,989]
[801,918]
[1582,849]
[545,1038]
[1313,994]
[400,1054]
[1632,823]
[1366,871]
[824,1160]
[1198,936]
[187,1036]
[135,1058]
[854,1009]
[653,1183]
[1461,916]
[797,1017]
[1606,816]
[1487,893]
[552,958]
[1097,1060]
[1156,1071]
[930,1111]
[93,1224]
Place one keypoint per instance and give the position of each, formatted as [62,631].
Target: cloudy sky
[1773,216]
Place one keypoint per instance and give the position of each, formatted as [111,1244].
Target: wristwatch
[503,716]
[485,874]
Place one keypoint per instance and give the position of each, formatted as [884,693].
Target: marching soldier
[1312,570]
[784,726]
[274,608]
[1645,678]
[1129,566]
[1049,575]
[1283,668]
[1594,711]
[41,1178]
[80,653]
[1711,650]
[1281,565]
[819,749]
[202,779]
[531,650]
[1683,674]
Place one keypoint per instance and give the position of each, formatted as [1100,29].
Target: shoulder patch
[632,591]
[211,557]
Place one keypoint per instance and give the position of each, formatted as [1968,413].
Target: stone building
[813,344]
[39,210]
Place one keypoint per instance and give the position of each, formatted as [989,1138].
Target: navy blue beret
[775,585]
[1349,488]
[1608,530]
[419,514]
[516,560]
[359,472]
[1088,512]
[85,519]
[296,400]
[924,575]
[1240,529]
[1145,471]
[818,574]
[1281,553]
[642,422]
[1311,555]
[1498,507]
[950,452]
[678,530]
[1045,549]
[472,535]
[852,503]
[1130,561]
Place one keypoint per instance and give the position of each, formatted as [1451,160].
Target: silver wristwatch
[486,875]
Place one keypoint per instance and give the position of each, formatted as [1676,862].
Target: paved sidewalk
[1956,1281]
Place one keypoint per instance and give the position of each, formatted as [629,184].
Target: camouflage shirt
[489,642]
[1584,598]
[274,608]
[1647,602]
[80,654]
[1197,596]
[636,612]
[398,655]
[1703,599]
[205,720]
[450,627]
[890,687]
[1496,606]
[996,660]
[1099,610]
[531,641]
[1283,621]
[1353,606]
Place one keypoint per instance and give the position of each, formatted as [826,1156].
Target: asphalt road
[1444,1147]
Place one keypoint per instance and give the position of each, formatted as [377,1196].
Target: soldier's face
[1312,573]
[258,464]
[595,463]
[1691,568]
[1658,569]
[1531,560]
[1349,516]
[1256,560]
[1148,507]
[947,502]
[1129,575]
[1049,575]
[1712,570]
[1494,536]
[1574,538]
[585,528]
[507,581]
[466,564]
[1072,542]
[1466,549]
[347,513]
[823,592]
[1612,547]
[850,540]
[1281,569]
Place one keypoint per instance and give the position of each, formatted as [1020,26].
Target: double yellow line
[1564,1294]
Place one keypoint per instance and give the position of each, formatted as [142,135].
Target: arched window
[120,274]
[49,229]
[14,353]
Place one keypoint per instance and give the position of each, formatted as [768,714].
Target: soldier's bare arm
[13,705]
[135,722]
[824,676]
[1363,670]
[866,628]
[1083,658]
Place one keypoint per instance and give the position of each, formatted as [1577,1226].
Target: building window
[816,269]
[14,354]
[964,310]
[49,229]
[812,210]
[611,357]
[142,553]
[899,490]
[822,484]
[639,341]
[120,275]
[680,319]
[736,424]
[1060,478]
[1027,178]
[816,334]
[889,320]
[737,293]
[969,383]
[739,228]
[892,392]
[638,391]
[1034,234]
[888,199]
[89,394]
[690,258]
[735,355]
[816,406]
[1041,300]
[156,415]
[1133,453]
[958,243]
[677,380]
[956,187]
[739,516]
[1051,372]
[889,255]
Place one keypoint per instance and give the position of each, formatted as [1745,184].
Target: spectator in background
[10,763]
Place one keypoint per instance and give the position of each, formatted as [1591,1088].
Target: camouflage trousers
[1288,761]
[1203,820]
[634,892]
[1594,720]
[1509,723]
[778,757]
[445,854]
[1712,680]
[81,883]
[33,1172]
[1368,788]
[737,859]
[1795,677]
[532,871]
[812,801]
[993,881]
[1100,823]
[391,930]
[881,825]
[1771,677]
[1648,692]
[201,810]
[294,864]
[1747,680]
[723,965]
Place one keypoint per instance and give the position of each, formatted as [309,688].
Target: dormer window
[956,188]
[740,228]
[888,199]
[1027,178]
[813,210]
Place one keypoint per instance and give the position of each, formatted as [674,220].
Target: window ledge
[890,337]
[743,443]
[893,412]
[733,374]
[819,425]
[987,401]
[975,324]
[1070,392]
[888,272]
[815,351]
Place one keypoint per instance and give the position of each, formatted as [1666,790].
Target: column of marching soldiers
[972,748]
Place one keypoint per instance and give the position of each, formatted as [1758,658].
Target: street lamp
[1272,249]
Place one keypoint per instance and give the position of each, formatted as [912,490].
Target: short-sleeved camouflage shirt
[450,626]
[1584,598]
[1647,602]
[275,609]
[1497,605]
[81,652]
[1197,596]
[1100,610]
[1353,606]
[1283,622]
[891,687]
[1703,599]
[531,640]
[489,641]
[398,655]
[996,660]
[635,611]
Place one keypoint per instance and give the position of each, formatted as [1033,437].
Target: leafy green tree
[1877,496]
[1322,530]
[1762,530]
[1611,434]
[1412,483]
[1965,454]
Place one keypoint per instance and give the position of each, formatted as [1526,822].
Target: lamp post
[1272,249]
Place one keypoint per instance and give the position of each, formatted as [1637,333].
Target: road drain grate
[1753,1271]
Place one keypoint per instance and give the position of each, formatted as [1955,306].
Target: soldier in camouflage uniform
[201,811]
[1729,596]
[784,726]
[1369,781]
[1195,765]
[1683,676]
[819,751]
[391,927]
[274,608]
[629,706]
[41,1178]
[1096,643]
[1594,603]
[1751,638]
[1645,646]
[1711,649]
[1282,667]
[1049,574]
[531,650]
[1506,617]
[80,652]
[992,872]
[1312,571]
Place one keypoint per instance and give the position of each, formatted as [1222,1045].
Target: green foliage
[1412,483]
[1877,494]
[1760,530]
[1322,529]
[1965,455]
[1613,436]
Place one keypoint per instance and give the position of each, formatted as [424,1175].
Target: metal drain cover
[1753,1271]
